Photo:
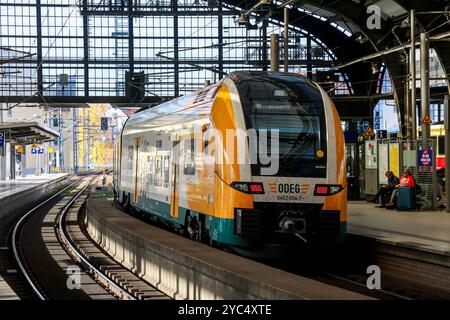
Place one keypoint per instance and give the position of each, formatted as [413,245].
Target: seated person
[407,180]
[386,190]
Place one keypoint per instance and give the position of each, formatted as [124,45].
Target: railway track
[58,260]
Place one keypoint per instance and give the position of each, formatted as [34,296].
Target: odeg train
[254,162]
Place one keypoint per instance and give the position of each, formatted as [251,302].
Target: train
[437,131]
[255,163]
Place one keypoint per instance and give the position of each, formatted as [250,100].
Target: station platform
[21,184]
[427,231]
[186,269]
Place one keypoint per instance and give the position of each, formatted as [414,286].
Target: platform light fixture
[242,19]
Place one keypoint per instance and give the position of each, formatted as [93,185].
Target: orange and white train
[161,166]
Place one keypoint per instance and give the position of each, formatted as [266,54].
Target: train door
[174,192]
[136,168]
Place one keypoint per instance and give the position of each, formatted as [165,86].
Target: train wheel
[120,199]
[126,202]
[196,229]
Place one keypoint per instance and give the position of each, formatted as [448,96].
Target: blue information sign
[37,151]
[426,157]
[2,138]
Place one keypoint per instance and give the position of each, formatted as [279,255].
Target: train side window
[150,169]
[130,158]
[158,171]
[189,158]
[441,145]
[166,171]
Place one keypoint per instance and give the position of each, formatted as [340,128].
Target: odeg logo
[288,188]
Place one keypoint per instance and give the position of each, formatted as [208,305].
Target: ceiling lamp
[242,19]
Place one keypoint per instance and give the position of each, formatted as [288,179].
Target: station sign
[2,138]
[37,150]
[426,157]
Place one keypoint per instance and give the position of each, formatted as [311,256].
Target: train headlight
[248,187]
[320,154]
[327,189]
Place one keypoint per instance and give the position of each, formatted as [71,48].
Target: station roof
[27,132]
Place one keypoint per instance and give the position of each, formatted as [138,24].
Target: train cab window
[441,145]
[293,108]
[189,158]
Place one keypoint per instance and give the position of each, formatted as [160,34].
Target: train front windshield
[295,110]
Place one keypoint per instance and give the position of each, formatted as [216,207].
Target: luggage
[405,199]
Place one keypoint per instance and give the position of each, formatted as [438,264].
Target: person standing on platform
[385,191]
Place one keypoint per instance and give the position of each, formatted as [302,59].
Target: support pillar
[23,161]
[2,151]
[286,39]
[12,161]
[447,152]
[425,82]
[75,141]
[412,70]
[274,53]
[264,45]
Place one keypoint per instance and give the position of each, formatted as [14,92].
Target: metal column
[75,141]
[39,57]
[220,33]
[274,53]
[60,142]
[88,155]
[2,151]
[176,65]
[286,39]
[425,82]
[412,70]
[309,69]
[12,161]
[85,56]
[447,153]
[264,45]
[23,160]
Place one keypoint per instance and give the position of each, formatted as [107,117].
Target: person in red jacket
[407,180]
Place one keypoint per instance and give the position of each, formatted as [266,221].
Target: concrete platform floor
[21,184]
[422,230]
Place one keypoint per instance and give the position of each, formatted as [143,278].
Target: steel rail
[69,243]
[14,241]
